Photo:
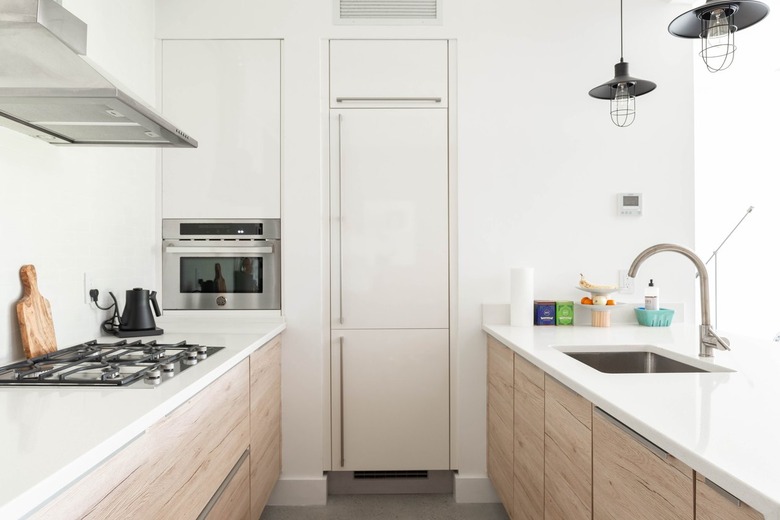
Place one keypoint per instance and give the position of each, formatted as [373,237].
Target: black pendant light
[623,89]
[715,24]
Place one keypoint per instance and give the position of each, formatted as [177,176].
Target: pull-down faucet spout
[708,339]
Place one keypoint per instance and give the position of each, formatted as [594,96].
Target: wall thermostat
[630,204]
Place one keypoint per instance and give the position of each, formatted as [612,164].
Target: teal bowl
[659,318]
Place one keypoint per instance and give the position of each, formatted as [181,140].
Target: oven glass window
[221,275]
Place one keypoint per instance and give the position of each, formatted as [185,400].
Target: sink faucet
[708,339]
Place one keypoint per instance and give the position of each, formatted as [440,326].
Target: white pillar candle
[522,297]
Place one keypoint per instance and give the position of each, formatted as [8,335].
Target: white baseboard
[474,490]
[300,492]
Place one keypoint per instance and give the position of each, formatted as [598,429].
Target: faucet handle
[719,342]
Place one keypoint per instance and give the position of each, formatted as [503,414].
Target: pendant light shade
[623,89]
[715,24]
[622,92]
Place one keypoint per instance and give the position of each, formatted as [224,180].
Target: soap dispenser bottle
[651,297]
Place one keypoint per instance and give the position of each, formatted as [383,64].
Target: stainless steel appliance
[107,364]
[221,264]
[51,91]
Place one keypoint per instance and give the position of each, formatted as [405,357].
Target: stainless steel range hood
[50,90]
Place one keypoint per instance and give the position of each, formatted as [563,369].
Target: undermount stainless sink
[633,362]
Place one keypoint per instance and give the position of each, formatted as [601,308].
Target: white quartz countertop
[725,425]
[51,436]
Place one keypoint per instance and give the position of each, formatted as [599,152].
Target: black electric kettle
[137,318]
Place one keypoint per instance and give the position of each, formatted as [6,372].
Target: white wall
[74,210]
[736,167]
[540,165]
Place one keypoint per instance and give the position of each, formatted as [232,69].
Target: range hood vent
[50,90]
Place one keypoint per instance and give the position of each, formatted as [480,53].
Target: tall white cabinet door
[390,394]
[389,208]
[228,94]
[388,73]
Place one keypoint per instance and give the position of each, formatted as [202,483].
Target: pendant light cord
[621,31]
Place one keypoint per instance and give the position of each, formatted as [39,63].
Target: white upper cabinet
[382,73]
[228,94]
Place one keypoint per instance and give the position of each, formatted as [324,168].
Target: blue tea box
[544,312]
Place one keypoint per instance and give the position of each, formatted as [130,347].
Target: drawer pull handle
[658,452]
[722,492]
[391,99]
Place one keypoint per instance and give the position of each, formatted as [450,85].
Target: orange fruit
[586,301]
[610,302]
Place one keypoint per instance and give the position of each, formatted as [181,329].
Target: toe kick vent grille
[387,12]
[390,474]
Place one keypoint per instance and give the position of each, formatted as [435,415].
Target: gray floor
[388,507]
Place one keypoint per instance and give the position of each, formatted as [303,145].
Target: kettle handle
[153,298]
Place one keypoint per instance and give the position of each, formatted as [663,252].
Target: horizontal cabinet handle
[722,492]
[226,250]
[392,99]
[658,452]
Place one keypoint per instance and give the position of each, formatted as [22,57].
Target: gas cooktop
[120,363]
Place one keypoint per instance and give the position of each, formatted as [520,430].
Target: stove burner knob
[153,373]
[190,358]
[201,349]
[168,367]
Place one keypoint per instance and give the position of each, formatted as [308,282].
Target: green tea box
[564,313]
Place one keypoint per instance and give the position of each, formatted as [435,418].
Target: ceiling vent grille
[388,12]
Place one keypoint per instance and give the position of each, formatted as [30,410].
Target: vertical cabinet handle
[341,235]
[341,395]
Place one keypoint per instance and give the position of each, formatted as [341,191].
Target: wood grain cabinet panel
[500,417]
[528,441]
[173,470]
[632,478]
[233,502]
[265,423]
[568,478]
[714,503]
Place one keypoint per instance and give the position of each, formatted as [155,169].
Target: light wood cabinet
[382,73]
[228,94]
[528,441]
[715,503]
[633,478]
[568,476]
[232,501]
[265,373]
[500,413]
[174,468]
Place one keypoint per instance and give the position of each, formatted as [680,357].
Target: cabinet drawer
[632,478]
[528,441]
[499,420]
[568,477]
[715,503]
[172,470]
[381,73]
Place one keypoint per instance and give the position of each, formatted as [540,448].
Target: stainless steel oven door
[222,274]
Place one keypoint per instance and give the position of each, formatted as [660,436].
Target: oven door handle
[196,250]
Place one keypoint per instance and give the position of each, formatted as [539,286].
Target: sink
[633,362]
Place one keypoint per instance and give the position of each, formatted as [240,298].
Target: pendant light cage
[622,106]
[717,38]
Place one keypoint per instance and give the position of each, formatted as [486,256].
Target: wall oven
[221,264]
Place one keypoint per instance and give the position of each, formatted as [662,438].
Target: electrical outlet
[87,286]
[625,282]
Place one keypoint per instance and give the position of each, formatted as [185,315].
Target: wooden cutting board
[34,313]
